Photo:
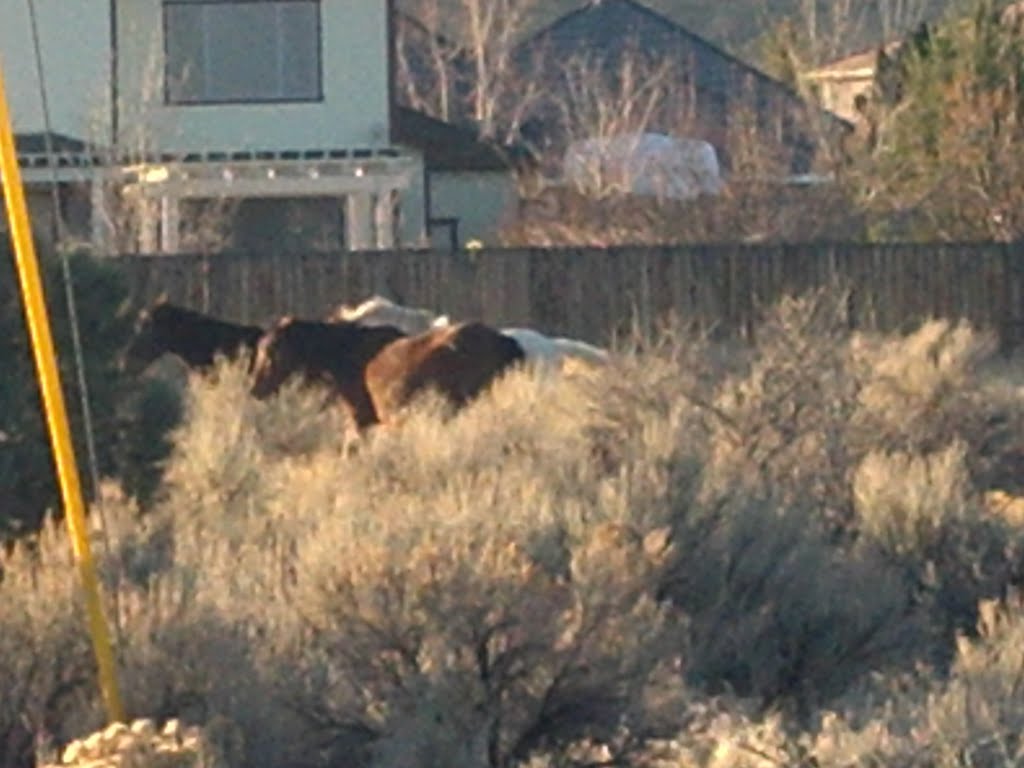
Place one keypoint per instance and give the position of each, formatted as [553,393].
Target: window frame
[170,100]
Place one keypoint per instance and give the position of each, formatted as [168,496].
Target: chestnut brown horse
[333,354]
[458,361]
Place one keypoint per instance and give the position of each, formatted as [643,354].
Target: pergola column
[359,221]
[148,227]
[384,220]
[170,224]
[101,235]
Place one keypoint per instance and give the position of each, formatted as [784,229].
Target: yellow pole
[53,402]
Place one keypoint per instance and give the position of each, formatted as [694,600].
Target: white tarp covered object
[644,164]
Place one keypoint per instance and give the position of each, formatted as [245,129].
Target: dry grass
[752,557]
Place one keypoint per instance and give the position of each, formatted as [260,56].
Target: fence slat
[593,293]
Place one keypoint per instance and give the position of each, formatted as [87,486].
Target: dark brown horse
[194,337]
[458,361]
[334,354]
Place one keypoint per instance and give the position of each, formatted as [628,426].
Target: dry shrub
[181,615]
[216,450]
[492,523]
[724,732]
[934,427]
[743,463]
[473,584]
[1005,507]
[925,387]
[46,665]
[921,512]
[229,442]
[463,649]
[971,719]
[782,506]
[907,503]
[744,460]
[533,579]
[978,717]
[817,399]
[781,616]
[780,426]
[526,431]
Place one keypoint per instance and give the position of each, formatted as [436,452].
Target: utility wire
[60,232]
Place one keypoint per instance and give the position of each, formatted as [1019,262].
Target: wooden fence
[593,293]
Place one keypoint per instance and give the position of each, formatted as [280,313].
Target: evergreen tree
[28,484]
[942,161]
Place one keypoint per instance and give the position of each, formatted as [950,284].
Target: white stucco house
[170,103]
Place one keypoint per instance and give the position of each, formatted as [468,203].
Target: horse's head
[146,343]
[275,359]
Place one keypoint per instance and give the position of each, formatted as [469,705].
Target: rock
[141,745]
[114,733]
[92,747]
[172,729]
[72,752]
[144,727]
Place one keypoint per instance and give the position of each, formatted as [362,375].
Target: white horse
[543,352]
[548,352]
[378,310]
[552,352]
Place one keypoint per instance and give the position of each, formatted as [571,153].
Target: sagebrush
[731,556]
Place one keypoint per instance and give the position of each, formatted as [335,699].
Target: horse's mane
[316,332]
[185,313]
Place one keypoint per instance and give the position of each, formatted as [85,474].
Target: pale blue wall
[354,111]
[75,42]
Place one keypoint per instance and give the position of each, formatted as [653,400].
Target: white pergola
[367,182]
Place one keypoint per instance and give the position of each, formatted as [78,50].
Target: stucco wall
[353,112]
[481,201]
[839,96]
[75,41]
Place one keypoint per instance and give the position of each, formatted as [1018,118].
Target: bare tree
[457,59]
[428,62]
[813,34]
[635,94]
[492,29]
[594,97]
[601,101]
[896,17]
[829,29]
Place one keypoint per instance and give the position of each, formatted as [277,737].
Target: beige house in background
[839,83]
[284,107]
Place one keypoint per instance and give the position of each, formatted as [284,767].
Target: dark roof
[734,24]
[35,144]
[538,16]
[605,25]
[417,42]
[449,147]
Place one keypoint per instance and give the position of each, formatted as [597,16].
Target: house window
[238,51]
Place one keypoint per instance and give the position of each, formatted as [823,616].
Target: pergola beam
[277,186]
[364,182]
